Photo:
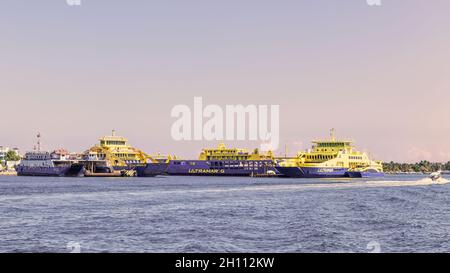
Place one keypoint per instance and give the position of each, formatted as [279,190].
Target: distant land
[420,167]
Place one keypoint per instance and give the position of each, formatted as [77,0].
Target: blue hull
[312,172]
[220,168]
[75,170]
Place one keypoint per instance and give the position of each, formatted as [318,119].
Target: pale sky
[379,75]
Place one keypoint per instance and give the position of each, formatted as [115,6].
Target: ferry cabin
[223,153]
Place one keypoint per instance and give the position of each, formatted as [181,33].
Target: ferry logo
[207,171]
[325,170]
[221,125]
[374,2]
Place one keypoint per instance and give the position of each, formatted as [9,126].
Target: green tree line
[11,156]
[422,166]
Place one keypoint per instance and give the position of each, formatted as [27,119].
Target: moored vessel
[436,176]
[41,163]
[330,158]
[223,161]
[44,163]
[114,156]
[118,152]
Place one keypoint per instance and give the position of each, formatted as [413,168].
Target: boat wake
[358,184]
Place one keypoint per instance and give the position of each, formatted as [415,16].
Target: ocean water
[213,214]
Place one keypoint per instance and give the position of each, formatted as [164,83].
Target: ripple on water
[195,214]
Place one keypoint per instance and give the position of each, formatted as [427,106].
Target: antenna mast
[38,142]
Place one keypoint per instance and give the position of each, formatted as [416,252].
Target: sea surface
[404,213]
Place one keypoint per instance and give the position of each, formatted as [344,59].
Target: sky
[378,74]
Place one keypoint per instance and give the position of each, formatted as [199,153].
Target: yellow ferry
[330,158]
[225,161]
[118,153]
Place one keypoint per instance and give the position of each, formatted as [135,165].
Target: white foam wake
[358,184]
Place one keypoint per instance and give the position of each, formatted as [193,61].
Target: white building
[3,151]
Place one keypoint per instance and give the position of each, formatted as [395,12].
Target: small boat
[117,152]
[436,176]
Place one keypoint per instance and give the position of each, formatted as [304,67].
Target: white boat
[436,176]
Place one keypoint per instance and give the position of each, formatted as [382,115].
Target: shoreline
[8,173]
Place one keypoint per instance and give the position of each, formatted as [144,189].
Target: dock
[8,173]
